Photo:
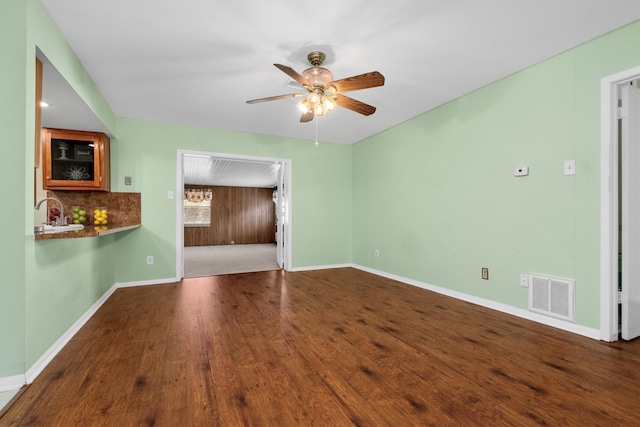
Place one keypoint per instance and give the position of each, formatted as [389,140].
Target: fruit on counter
[100,217]
[54,213]
[79,215]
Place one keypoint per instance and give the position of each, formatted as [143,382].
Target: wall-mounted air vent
[552,296]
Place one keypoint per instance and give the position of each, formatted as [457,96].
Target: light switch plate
[521,171]
[569,167]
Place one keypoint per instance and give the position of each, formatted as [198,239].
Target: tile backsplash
[123,208]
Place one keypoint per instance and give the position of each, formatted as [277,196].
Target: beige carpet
[202,261]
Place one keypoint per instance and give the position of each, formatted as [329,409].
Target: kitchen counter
[124,212]
[89,231]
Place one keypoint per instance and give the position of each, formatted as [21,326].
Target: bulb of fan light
[319,110]
[304,106]
[313,98]
[328,104]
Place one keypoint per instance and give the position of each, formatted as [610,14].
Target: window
[197,208]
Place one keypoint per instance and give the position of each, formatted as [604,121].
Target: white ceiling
[196,62]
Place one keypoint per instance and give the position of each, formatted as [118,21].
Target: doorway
[239,171]
[620,201]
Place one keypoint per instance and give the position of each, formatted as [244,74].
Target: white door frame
[286,164]
[609,96]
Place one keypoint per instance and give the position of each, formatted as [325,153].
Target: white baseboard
[514,311]
[321,267]
[46,358]
[145,283]
[12,383]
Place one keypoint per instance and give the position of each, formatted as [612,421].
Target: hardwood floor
[328,348]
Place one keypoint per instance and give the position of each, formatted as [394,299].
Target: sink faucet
[62,220]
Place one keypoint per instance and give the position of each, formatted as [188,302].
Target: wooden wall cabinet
[75,160]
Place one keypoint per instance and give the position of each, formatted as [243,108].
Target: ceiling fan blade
[354,105]
[306,117]
[275,98]
[361,81]
[294,75]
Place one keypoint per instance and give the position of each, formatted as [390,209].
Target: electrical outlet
[485,273]
[376,253]
[524,280]
[150,260]
[127,180]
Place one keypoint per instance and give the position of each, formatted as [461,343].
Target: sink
[57,228]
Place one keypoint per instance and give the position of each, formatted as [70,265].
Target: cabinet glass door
[72,160]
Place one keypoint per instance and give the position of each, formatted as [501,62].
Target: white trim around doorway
[288,233]
[609,96]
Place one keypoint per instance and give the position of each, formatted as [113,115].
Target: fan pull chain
[317,143]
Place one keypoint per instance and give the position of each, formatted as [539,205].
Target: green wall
[437,194]
[62,278]
[147,151]
[13,104]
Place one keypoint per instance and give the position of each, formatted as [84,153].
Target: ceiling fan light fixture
[328,103]
[313,98]
[304,106]
[319,110]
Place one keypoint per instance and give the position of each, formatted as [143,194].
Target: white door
[630,206]
[280,217]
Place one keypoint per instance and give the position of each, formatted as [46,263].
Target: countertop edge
[87,232]
[118,229]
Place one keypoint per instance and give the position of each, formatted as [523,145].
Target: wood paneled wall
[240,214]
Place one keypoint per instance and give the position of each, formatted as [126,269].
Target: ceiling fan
[324,93]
